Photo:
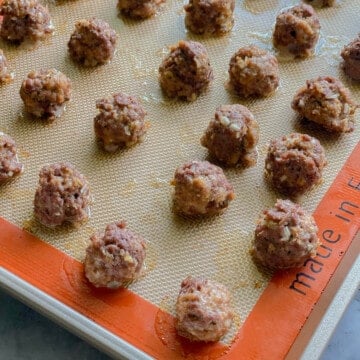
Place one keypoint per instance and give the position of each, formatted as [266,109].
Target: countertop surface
[26,335]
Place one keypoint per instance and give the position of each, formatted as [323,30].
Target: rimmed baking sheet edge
[118,348]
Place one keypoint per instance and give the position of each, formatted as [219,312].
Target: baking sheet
[118,349]
[134,184]
[68,318]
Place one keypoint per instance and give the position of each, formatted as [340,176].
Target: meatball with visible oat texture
[203,310]
[24,20]
[351,55]
[9,163]
[186,72]
[120,123]
[115,257]
[294,163]
[92,43]
[327,102]
[253,72]
[45,93]
[201,189]
[139,9]
[285,236]
[62,196]
[5,75]
[213,17]
[297,29]
[232,135]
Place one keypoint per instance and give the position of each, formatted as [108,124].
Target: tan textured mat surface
[134,185]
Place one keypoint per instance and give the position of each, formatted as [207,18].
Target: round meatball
[5,75]
[203,310]
[92,43]
[62,196]
[9,163]
[24,20]
[294,163]
[327,102]
[285,236]
[322,3]
[45,93]
[115,257]
[186,72]
[232,135]
[201,189]
[138,9]
[253,72]
[297,30]
[213,17]
[120,122]
[351,55]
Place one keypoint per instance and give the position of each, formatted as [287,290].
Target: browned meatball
[120,123]
[322,3]
[214,17]
[9,163]
[186,72]
[253,72]
[351,55]
[294,163]
[285,236]
[139,9]
[92,43]
[232,135]
[45,93]
[203,310]
[326,101]
[62,196]
[24,20]
[201,189]
[5,75]
[297,29]
[115,257]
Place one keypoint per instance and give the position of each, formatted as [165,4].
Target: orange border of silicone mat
[268,332]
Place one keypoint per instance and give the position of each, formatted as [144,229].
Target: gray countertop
[27,335]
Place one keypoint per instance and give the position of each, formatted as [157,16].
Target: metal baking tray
[47,274]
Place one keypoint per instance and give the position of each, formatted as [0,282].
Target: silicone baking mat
[134,185]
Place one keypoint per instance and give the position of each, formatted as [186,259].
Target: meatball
[45,93]
[92,43]
[322,3]
[213,17]
[201,189]
[24,20]
[232,135]
[297,29]
[62,196]
[186,72]
[203,310]
[5,75]
[120,122]
[253,72]
[351,55]
[115,257]
[285,236]
[327,102]
[294,163]
[139,9]
[9,163]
